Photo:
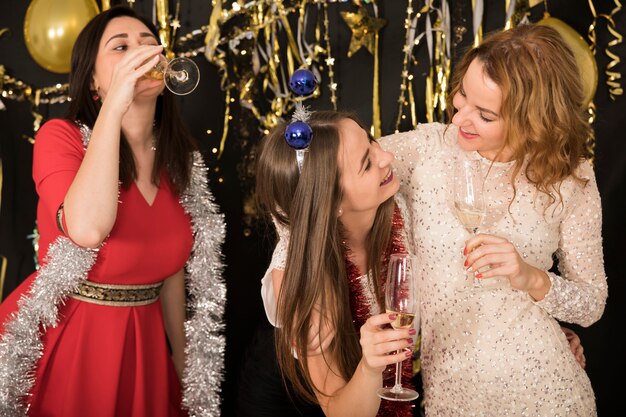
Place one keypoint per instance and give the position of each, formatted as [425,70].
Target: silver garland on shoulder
[204,367]
[20,348]
[67,264]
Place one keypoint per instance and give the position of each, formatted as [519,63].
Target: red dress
[106,361]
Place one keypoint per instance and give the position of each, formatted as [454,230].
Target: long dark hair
[315,274]
[174,143]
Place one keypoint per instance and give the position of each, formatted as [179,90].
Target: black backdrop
[247,248]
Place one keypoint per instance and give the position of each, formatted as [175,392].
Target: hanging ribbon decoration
[330,61]
[407,97]
[477,15]
[3,264]
[365,30]
[162,13]
[439,54]
[613,77]
[106,5]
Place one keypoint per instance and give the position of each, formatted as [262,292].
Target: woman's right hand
[132,67]
[380,343]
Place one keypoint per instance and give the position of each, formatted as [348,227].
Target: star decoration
[364,29]
[175,24]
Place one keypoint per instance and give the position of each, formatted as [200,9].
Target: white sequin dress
[497,352]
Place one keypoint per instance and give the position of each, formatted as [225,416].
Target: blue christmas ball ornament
[302,82]
[298,135]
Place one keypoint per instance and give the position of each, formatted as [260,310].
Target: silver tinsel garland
[67,264]
[204,367]
[20,348]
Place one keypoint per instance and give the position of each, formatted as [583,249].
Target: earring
[339,212]
[95,94]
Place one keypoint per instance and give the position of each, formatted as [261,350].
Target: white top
[498,352]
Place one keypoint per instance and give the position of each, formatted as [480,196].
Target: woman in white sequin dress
[518,109]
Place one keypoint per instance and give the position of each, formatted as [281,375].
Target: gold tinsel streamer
[478,32]
[590,143]
[376,131]
[405,65]
[330,61]
[613,77]
[106,5]
[365,30]
[442,73]
[14,89]
[406,87]
[3,272]
[162,13]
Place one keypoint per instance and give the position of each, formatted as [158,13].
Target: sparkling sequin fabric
[497,352]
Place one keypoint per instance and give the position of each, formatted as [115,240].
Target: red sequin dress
[106,361]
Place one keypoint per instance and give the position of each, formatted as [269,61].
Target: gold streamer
[412,106]
[376,131]
[330,61]
[429,97]
[442,73]
[3,272]
[407,49]
[590,143]
[226,120]
[509,22]
[293,46]
[478,37]
[106,5]
[613,77]
[164,27]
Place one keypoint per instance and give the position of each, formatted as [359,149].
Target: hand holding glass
[401,300]
[469,201]
[181,75]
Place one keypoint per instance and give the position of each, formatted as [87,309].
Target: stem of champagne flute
[398,386]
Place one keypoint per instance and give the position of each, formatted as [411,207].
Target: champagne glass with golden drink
[400,299]
[181,75]
[469,201]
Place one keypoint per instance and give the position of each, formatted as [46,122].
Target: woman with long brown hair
[344,224]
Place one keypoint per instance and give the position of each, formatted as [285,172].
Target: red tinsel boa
[361,312]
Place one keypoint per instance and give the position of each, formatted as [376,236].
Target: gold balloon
[587,66]
[51,28]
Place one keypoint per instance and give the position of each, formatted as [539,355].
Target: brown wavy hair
[315,270]
[543,106]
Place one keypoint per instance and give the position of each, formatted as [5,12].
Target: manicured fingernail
[410,340]
[392,317]
[479,275]
[465,263]
[465,250]
[412,332]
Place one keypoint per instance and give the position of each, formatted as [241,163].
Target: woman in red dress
[127,225]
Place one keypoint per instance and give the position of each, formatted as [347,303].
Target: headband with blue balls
[299,134]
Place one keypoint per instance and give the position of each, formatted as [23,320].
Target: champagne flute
[181,75]
[469,201]
[401,300]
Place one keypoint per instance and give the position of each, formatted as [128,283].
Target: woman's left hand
[495,256]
